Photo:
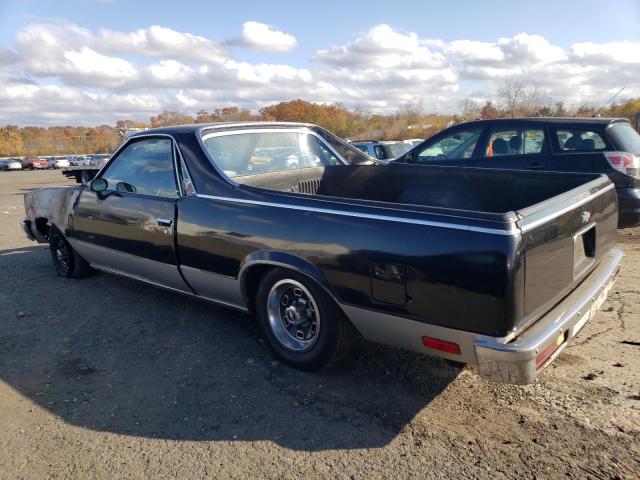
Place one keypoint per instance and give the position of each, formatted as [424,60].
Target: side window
[579,140]
[144,166]
[455,146]
[515,142]
[379,151]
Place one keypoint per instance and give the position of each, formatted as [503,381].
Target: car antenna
[608,102]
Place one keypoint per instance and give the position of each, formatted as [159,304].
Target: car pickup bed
[500,269]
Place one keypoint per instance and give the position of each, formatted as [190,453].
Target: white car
[10,164]
[61,163]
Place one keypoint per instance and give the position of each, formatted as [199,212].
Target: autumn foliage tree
[408,121]
[489,111]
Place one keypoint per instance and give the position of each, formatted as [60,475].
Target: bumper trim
[515,362]
[502,359]
[26,226]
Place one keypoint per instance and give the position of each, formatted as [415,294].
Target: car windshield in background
[453,146]
[240,154]
[396,149]
[624,137]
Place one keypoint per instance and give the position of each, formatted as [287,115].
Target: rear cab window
[241,153]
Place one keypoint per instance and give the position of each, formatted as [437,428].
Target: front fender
[55,204]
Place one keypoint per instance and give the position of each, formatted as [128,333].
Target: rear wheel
[65,259]
[302,323]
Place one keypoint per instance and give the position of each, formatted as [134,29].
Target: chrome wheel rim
[61,255]
[293,315]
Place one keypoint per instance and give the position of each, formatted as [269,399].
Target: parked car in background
[31,163]
[80,161]
[10,164]
[58,162]
[600,145]
[280,219]
[414,141]
[382,150]
[98,160]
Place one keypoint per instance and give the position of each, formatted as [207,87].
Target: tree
[11,141]
[560,110]
[585,111]
[167,118]
[489,111]
[468,108]
[511,95]
[518,99]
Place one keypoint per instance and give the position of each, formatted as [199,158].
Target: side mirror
[99,185]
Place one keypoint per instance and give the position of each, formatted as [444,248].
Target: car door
[452,147]
[517,146]
[128,226]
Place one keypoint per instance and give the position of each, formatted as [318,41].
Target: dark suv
[606,145]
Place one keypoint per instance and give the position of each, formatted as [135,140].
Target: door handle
[535,166]
[164,222]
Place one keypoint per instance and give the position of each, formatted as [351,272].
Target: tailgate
[565,238]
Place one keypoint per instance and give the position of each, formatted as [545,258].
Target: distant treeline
[409,121]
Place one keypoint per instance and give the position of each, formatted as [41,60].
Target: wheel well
[251,280]
[43,226]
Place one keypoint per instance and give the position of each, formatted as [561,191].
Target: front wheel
[65,259]
[301,322]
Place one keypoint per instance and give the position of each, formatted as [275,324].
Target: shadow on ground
[113,355]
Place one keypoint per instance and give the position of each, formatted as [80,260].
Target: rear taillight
[624,162]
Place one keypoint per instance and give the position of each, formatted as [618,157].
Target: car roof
[547,120]
[194,127]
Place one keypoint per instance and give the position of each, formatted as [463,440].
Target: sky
[90,62]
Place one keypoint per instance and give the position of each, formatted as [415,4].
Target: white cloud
[382,47]
[264,37]
[56,69]
[157,41]
[606,53]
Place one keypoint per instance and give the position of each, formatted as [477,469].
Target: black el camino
[496,268]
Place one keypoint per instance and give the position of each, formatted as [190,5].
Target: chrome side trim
[134,266]
[214,287]
[556,213]
[469,228]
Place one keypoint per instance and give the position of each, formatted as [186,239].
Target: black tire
[66,260]
[333,335]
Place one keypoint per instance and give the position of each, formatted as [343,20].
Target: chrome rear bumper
[503,359]
[515,361]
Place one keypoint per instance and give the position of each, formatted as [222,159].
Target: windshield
[252,153]
[394,150]
[624,137]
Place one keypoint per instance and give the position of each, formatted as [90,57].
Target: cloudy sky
[87,62]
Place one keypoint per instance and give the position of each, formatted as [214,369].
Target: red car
[29,163]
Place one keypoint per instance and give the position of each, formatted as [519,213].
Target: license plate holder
[593,309]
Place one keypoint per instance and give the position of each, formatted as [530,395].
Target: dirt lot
[104,377]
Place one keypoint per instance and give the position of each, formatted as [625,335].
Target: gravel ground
[106,378]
